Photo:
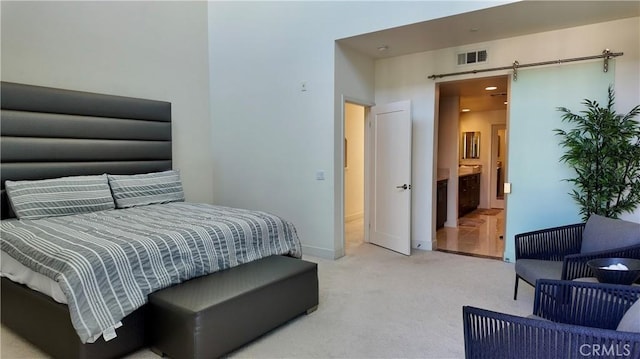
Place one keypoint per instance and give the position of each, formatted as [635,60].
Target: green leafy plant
[604,150]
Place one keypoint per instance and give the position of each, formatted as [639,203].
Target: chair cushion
[630,322]
[534,269]
[602,233]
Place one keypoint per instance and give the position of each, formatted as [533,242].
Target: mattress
[18,273]
[107,262]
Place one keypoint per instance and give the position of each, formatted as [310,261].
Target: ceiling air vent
[472,57]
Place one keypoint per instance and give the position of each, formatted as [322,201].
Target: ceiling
[473,93]
[499,22]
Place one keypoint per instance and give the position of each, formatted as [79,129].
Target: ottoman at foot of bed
[213,315]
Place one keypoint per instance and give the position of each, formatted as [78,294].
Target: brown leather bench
[213,315]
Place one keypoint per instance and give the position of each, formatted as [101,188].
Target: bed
[53,136]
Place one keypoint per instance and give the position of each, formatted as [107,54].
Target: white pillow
[630,322]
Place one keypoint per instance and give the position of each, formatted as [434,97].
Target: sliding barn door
[539,194]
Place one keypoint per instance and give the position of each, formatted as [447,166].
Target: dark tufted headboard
[49,133]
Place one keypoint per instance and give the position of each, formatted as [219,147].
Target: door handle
[404,186]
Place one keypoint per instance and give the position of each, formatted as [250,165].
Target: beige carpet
[376,303]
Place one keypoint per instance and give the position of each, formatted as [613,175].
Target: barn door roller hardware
[606,55]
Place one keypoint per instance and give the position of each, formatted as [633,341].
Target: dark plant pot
[615,276]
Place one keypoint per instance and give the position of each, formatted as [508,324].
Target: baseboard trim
[469,254]
[353,217]
[423,245]
[318,252]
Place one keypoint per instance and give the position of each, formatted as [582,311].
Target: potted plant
[603,149]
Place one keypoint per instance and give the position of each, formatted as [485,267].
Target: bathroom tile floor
[479,233]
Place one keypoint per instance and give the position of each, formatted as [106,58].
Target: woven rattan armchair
[563,252]
[571,320]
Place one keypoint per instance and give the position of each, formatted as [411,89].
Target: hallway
[353,234]
[479,233]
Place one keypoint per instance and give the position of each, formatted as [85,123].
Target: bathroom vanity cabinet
[468,193]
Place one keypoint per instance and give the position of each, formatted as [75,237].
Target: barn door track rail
[606,55]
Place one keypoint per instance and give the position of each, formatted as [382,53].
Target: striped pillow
[144,189]
[59,197]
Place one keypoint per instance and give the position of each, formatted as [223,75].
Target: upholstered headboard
[49,133]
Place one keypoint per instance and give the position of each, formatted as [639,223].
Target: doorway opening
[377,175]
[354,175]
[471,166]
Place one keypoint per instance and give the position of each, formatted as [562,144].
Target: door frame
[340,247]
[453,185]
[493,178]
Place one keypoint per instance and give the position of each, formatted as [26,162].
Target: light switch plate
[507,187]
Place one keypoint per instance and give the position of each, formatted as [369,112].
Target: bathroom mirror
[470,145]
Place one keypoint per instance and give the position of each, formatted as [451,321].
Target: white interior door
[391,176]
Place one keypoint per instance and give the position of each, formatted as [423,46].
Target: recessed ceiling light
[383,48]
[465,110]
[491,88]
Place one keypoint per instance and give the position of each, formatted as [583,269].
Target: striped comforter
[108,262]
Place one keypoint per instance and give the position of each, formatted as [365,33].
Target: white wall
[154,50]
[269,138]
[405,77]
[448,153]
